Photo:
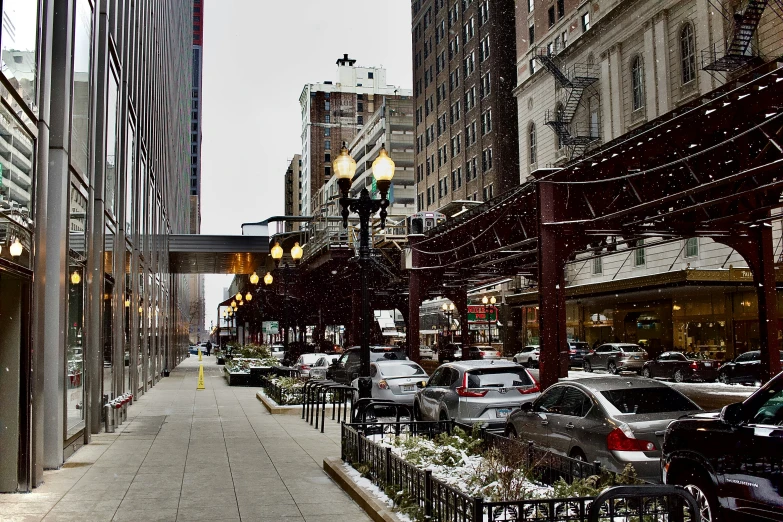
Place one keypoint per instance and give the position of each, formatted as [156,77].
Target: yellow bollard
[200,377]
[199,354]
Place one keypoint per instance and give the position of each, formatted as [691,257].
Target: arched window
[637,82]
[687,53]
[531,140]
[558,117]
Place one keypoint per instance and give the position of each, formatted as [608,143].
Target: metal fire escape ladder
[739,49]
[575,81]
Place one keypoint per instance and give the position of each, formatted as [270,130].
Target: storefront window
[111,146]
[74,359]
[19,52]
[16,164]
[80,110]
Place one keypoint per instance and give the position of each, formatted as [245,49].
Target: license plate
[636,357]
[407,387]
[707,365]
[503,412]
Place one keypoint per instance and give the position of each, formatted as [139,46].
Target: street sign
[270,327]
[477,314]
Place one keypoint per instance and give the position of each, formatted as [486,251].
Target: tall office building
[293,186]
[89,306]
[464,56]
[196,310]
[333,113]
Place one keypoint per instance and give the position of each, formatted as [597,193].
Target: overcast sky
[258,55]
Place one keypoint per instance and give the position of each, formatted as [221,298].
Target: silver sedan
[318,369]
[395,380]
[475,391]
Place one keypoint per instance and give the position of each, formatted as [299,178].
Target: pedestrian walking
[209,348]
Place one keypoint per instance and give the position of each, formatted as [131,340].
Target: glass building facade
[95,110]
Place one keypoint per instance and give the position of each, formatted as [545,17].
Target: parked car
[483,352]
[616,358]
[395,380]
[604,419]
[425,352]
[730,461]
[576,352]
[681,367]
[306,362]
[278,351]
[745,369]
[475,391]
[319,368]
[346,368]
[450,352]
[528,356]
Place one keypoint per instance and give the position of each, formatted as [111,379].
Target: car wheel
[416,412]
[578,454]
[531,363]
[646,373]
[703,490]
[511,432]
[679,376]
[612,367]
[586,366]
[723,377]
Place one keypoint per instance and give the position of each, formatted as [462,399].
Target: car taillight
[464,391]
[591,352]
[694,365]
[572,352]
[622,354]
[618,440]
[304,367]
[497,353]
[383,385]
[482,354]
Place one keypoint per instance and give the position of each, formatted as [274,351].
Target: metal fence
[428,498]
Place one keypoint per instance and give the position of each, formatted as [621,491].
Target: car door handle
[570,426]
[544,423]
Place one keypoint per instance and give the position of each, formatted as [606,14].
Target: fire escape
[742,25]
[574,81]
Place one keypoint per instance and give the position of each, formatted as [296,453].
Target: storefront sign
[270,327]
[477,314]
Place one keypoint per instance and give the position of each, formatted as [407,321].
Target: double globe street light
[344,167]
[489,303]
[277,256]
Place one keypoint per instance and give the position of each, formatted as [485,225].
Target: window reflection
[74,364]
[16,165]
[80,125]
[111,146]
[19,40]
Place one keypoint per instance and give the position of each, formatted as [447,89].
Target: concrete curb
[375,509]
[274,409]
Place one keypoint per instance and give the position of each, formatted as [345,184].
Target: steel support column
[415,295]
[460,299]
[553,252]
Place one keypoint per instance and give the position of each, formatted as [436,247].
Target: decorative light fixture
[76,278]
[383,166]
[676,307]
[141,309]
[485,300]
[344,166]
[233,304]
[277,252]
[239,296]
[296,252]
[16,248]
[249,297]
[127,303]
[492,300]
[254,279]
[268,279]
[241,303]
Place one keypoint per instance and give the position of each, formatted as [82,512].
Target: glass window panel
[74,359]
[111,145]
[129,179]
[19,49]
[80,110]
[16,162]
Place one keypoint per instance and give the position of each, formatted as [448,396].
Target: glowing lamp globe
[277,252]
[76,278]
[383,166]
[254,278]
[249,296]
[268,279]
[16,248]
[296,252]
[344,166]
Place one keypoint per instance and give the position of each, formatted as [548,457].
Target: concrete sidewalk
[183,455]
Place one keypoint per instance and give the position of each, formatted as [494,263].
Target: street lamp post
[277,255]
[488,303]
[448,309]
[344,166]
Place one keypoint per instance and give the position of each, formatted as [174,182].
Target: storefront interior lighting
[676,307]
[16,248]
[254,279]
[268,279]
[76,278]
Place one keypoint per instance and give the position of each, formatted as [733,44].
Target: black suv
[731,461]
[450,352]
[346,368]
[746,368]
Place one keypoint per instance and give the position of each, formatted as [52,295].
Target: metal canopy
[202,254]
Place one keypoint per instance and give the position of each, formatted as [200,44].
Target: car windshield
[579,346]
[697,356]
[630,348]
[400,370]
[499,378]
[387,354]
[648,400]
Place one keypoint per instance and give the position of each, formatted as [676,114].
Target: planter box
[237,379]
[221,361]
[257,373]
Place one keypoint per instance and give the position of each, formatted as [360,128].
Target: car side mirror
[731,414]
[421,384]
[527,407]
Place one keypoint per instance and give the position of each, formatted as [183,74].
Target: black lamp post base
[365,387]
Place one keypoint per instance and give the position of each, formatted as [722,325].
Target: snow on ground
[374,490]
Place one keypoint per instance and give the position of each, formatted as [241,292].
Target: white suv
[528,356]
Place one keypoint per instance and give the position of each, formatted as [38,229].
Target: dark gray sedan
[475,391]
[614,421]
